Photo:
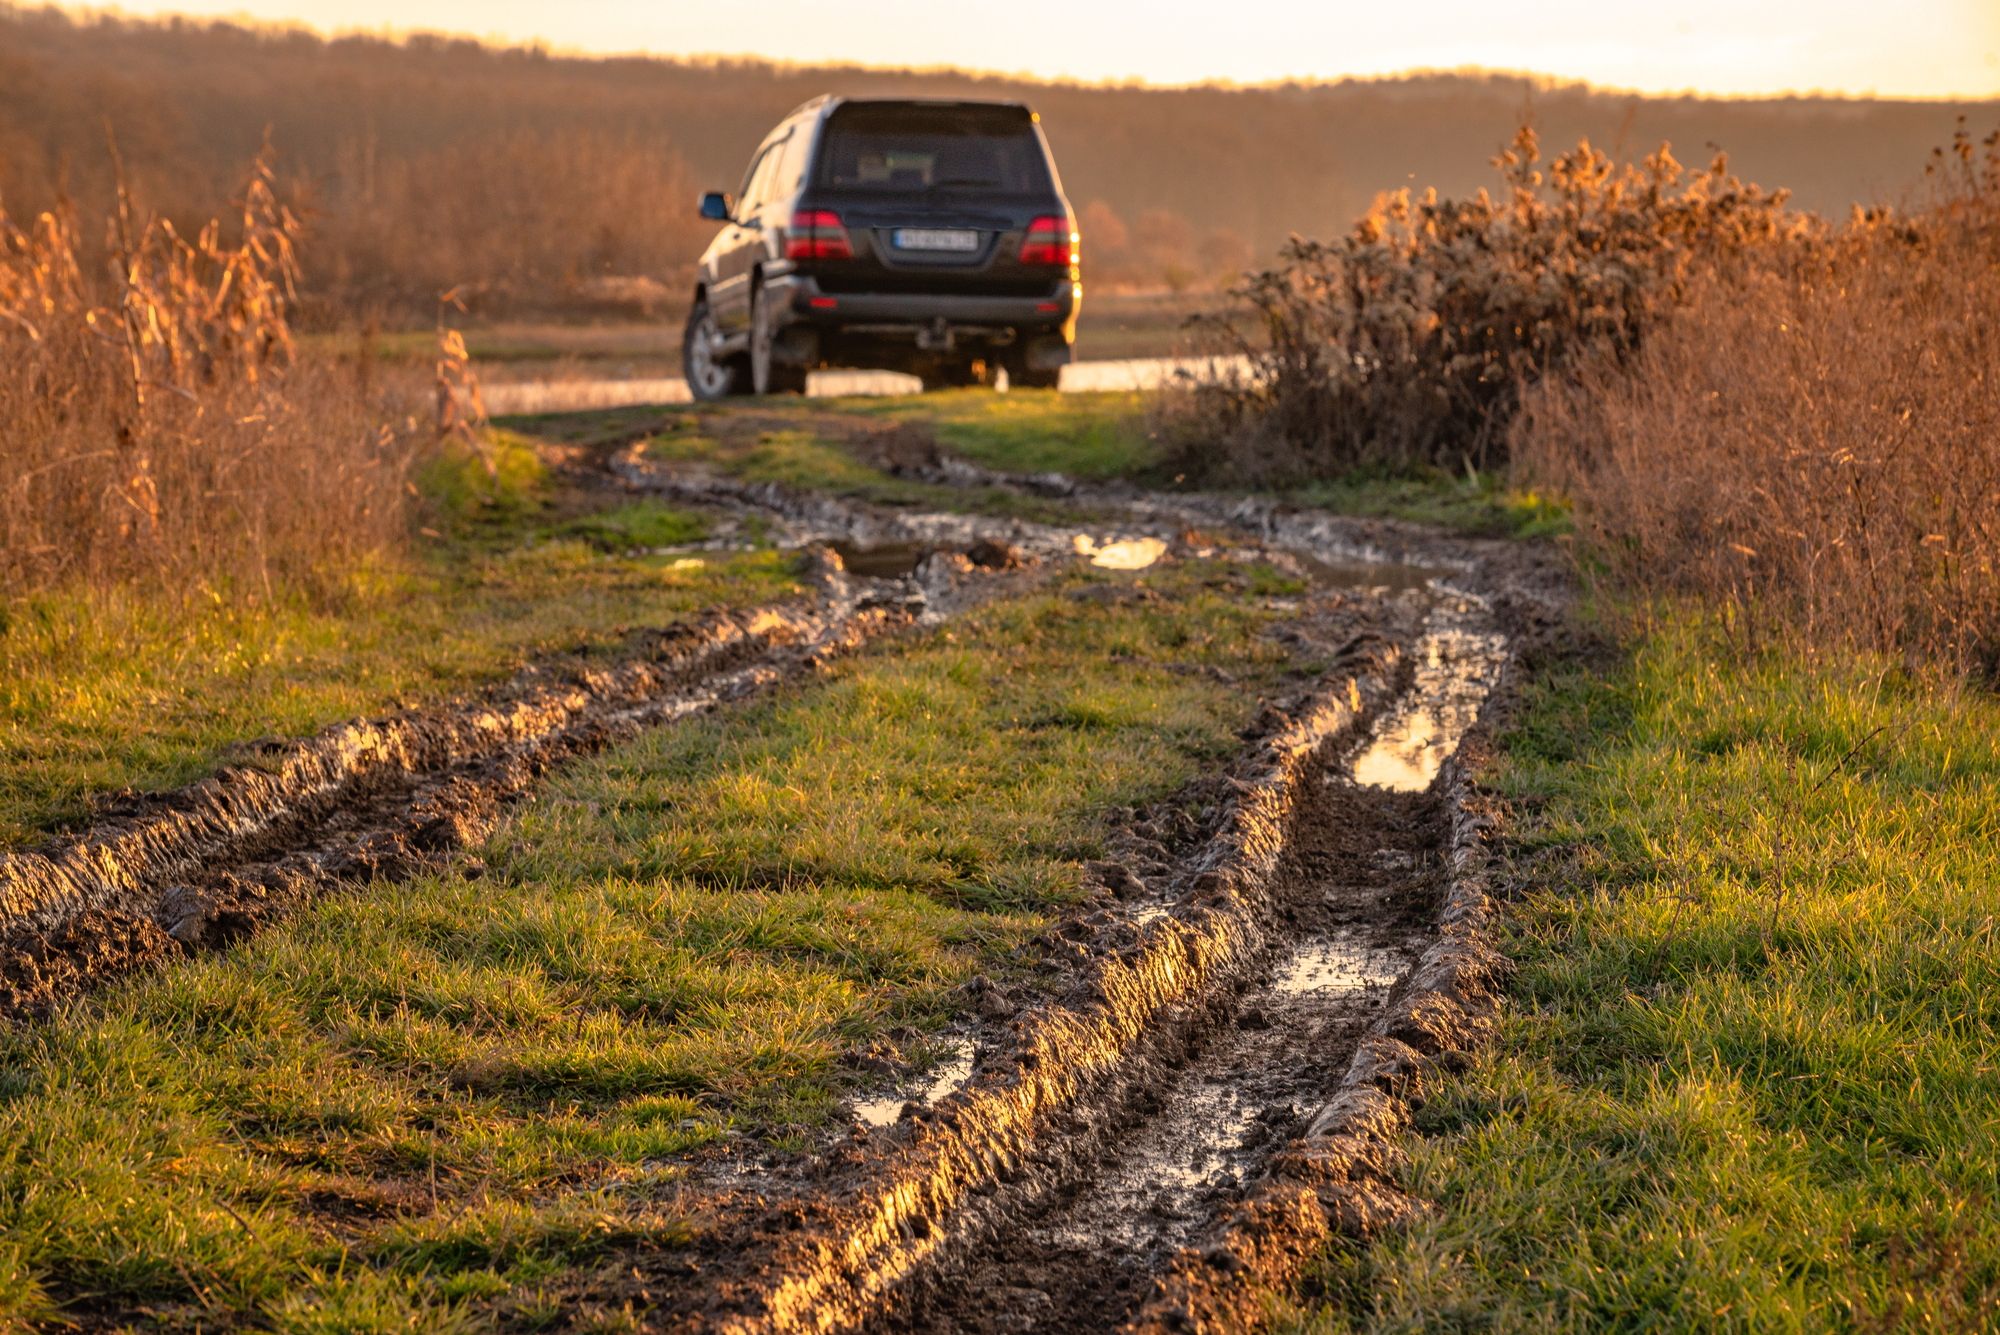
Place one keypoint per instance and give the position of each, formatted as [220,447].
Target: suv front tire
[709,376]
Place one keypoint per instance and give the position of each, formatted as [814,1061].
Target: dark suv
[922,236]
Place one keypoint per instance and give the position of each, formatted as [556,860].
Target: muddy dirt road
[1214,1082]
[1209,1075]
[1217,1080]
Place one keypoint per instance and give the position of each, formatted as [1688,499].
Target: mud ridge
[210,862]
[1049,1100]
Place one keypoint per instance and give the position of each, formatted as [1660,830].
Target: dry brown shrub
[157,424]
[1406,343]
[1816,446]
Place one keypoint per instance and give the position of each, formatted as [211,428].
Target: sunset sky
[1916,48]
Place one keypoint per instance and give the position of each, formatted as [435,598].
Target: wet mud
[881,1215]
[1168,1131]
[1355,896]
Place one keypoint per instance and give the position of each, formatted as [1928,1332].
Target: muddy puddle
[882,560]
[1246,1089]
[1341,963]
[1384,576]
[1359,883]
[1456,665]
[944,1080]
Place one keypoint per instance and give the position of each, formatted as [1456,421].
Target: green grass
[452,1104]
[1749,1074]
[1094,436]
[1480,505]
[805,461]
[1101,437]
[789,458]
[636,526]
[102,691]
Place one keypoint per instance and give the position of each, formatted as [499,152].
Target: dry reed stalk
[157,423]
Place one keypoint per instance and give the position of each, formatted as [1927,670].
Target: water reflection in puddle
[886,560]
[947,1079]
[1341,963]
[1249,1076]
[1122,554]
[1394,576]
[1455,671]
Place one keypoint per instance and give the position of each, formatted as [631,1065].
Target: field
[501,1093]
[1476,813]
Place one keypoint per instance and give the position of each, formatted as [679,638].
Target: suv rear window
[898,148]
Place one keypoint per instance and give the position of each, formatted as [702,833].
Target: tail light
[817,234]
[1052,240]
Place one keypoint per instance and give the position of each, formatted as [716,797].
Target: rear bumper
[891,313]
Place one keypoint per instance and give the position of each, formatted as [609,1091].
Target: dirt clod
[989,554]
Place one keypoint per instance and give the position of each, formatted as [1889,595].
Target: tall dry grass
[1408,341]
[157,425]
[1814,446]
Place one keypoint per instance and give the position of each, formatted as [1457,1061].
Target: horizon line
[1539,81]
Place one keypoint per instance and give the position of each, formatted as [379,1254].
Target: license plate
[935,238]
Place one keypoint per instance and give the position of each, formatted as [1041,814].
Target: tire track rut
[207,865]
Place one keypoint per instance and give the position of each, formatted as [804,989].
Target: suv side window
[746,198]
[757,193]
[792,167]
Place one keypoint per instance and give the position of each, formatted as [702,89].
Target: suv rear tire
[1020,376]
[768,375]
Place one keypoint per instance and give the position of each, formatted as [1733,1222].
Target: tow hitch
[937,336]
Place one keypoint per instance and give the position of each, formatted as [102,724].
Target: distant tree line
[531,183]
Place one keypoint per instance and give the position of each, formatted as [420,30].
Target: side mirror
[715,206]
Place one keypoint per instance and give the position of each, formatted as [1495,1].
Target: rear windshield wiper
[950,181]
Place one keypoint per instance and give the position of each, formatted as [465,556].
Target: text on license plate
[935,238]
